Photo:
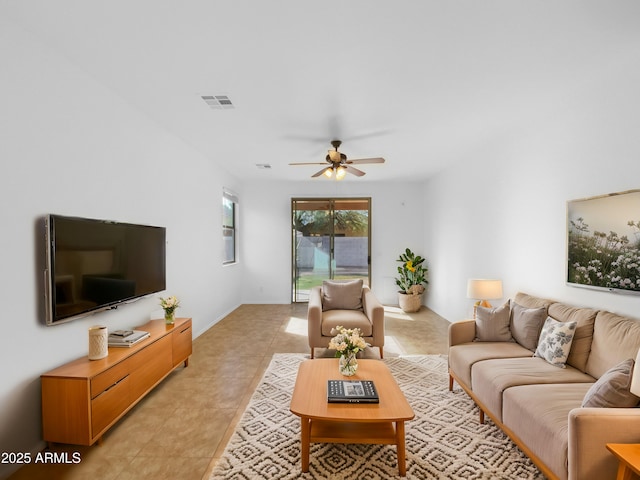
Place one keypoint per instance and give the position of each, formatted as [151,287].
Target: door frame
[333,201]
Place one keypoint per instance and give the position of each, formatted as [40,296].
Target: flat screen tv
[603,242]
[94,265]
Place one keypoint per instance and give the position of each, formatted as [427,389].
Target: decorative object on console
[169,306]
[482,289]
[98,347]
[411,281]
[347,343]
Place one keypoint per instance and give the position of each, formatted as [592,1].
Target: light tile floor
[182,427]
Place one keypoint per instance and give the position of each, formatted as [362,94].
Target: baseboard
[216,320]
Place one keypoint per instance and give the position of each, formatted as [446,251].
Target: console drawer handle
[110,387]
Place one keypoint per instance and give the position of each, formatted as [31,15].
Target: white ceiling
[421,83]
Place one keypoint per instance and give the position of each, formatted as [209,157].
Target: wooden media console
[82,399]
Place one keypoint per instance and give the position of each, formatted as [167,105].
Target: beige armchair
[348,304]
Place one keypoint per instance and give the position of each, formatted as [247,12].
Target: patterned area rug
[443,441]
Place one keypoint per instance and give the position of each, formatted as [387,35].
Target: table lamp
[482,290]
[635,377]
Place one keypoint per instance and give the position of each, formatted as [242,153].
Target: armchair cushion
[342,295]
[347,319]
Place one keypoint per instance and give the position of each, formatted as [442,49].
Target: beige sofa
[539,405]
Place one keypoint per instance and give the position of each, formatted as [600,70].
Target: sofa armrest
[314,316]
[374,311]
[590,429]
[463,331]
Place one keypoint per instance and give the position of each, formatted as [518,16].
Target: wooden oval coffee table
[323,422]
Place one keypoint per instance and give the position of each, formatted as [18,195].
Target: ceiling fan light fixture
[339,165]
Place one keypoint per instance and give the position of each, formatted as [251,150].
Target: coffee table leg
[402,456]
[305,436]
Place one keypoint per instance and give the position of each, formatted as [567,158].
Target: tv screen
[93,265]
[603,242]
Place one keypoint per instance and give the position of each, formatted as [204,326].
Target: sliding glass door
[331,240]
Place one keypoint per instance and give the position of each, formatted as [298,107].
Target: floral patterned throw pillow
[555,341]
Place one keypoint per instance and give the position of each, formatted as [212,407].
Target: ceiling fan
[338,165]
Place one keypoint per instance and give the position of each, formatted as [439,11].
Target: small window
[229,227]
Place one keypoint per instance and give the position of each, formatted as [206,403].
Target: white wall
[396,223]
[501,212]
[71,147]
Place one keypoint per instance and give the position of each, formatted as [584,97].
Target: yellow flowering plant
[412,273]
[346,341]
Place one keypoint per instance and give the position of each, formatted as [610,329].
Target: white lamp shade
[484,289]
[635,377]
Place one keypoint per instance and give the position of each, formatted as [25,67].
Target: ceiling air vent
[217,102]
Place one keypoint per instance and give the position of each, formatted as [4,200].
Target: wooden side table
[628,454]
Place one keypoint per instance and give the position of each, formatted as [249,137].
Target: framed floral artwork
[603,242]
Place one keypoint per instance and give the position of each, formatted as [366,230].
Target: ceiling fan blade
[355,171]
[317,174]
[313,163]
[366,160]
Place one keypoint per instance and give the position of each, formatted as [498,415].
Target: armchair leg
[312,351]
[381,353]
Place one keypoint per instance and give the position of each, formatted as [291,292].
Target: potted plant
[411,281]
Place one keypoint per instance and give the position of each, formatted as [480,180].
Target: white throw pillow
[555,341]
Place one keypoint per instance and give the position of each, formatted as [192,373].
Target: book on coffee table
[351,391]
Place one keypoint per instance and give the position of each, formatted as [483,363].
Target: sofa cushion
[612,389]
[346,295]
[529,301]
[492,324]
[462,357]
[539,416]
[491,378]
[615,339]
[526,324]
[353,318]
[583,335]
[555,341]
